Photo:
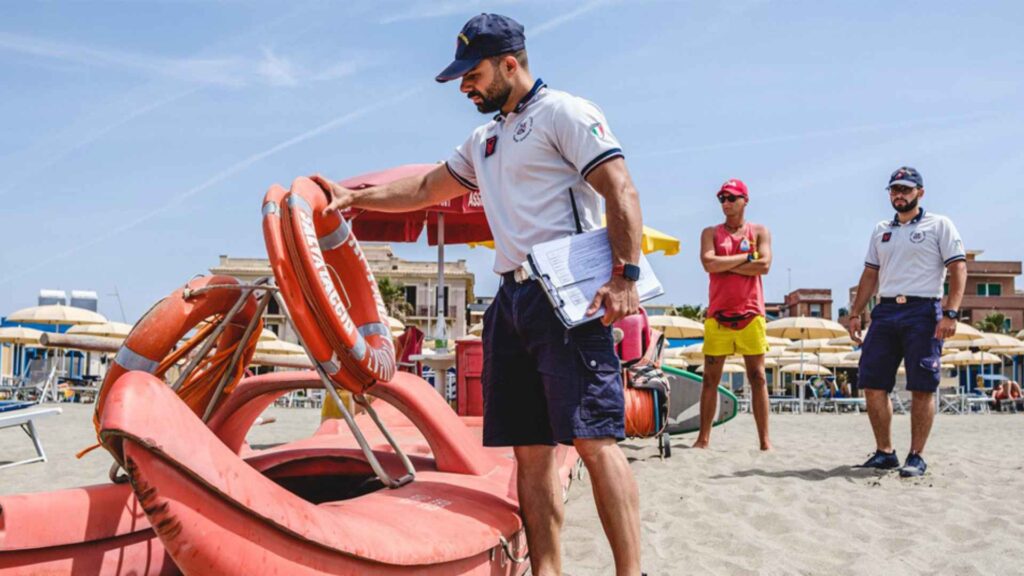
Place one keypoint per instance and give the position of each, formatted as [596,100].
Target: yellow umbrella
[57,314]
[278,347]
[117,330]
[20,335]
[652,241]
[677,326]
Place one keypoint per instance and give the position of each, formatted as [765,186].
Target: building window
[815,310]
[990,289]
[410,295]
[1006,324]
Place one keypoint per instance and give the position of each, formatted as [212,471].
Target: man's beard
[494,96]
[908,207]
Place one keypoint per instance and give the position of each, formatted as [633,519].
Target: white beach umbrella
[56,314]
[774,341]
[989,340]
[118,330]
[675,362]
[20,335]
[279,347]
[968,358]
[965,331]
[727,368]
[677,326]
[807,368]
[476,329]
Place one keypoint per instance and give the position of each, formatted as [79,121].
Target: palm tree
[994,322]
[394,298]
[693,312]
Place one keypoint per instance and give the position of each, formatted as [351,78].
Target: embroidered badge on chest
[744,245]
[523,129]
[886,236]
[917,236]
[490,145]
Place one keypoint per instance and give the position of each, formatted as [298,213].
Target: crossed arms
[737,264]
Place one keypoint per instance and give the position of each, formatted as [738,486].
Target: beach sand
[732,509]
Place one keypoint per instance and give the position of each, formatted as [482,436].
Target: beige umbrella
[57,314]
[278,347]
[803,328]
[776,352]
[817,345]
[805,369]
[727,369]
[267,335]
[1012,351]
[675,362]
[677,326]
[847,340]
[968,358]
[989,340]
[955,345]
[775,341]
[20,335]
[848,363]
[855,356]
[965,332]
[395,325]
[831,359]
[476,329]
[1020,335]
[117,330]
[693,353]
[739,361]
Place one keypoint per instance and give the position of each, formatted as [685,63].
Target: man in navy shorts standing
[907,262]
[541,166]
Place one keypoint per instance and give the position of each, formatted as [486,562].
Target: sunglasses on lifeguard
[723,198]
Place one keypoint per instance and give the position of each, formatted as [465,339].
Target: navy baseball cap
[906,176]
[483,36]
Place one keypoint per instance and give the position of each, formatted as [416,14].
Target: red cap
[734,186]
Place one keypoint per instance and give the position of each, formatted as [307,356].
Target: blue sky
[139,137]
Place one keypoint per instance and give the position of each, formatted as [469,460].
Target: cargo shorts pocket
[601,392]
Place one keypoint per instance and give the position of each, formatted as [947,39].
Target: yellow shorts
[750,341]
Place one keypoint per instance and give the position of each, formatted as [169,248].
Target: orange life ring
[338,285]
[304,319]
[153,338]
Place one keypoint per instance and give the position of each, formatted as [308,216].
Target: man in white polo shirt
[907,262]
[540,165]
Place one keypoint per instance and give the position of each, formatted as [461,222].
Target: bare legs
[540,500]
[880,415]
[615,493]
[617,499]
[922,414]
[758,397]
[709,398]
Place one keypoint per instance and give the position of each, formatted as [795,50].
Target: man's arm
[865,290]
[957,284]
[625,229]
[764,256]
[405,195]
[713,263]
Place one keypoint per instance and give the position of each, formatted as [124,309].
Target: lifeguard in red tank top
[734,295]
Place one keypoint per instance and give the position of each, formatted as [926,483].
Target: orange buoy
[333,276]
[149,345]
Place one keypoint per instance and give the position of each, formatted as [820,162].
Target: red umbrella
[457,221]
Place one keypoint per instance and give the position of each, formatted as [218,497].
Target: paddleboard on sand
[684,402]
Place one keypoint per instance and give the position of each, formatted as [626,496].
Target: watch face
[631,272]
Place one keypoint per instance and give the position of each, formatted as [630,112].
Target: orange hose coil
[640,413]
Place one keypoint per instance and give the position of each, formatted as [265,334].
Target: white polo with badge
[531,167]
[911,258]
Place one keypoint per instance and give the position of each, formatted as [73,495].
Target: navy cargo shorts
[902,332]
[542,383]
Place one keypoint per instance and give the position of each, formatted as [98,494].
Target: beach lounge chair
[24,416]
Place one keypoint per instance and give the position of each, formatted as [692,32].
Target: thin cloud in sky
[553,23]
[432,9]
[214,180]
[811,134]
[268,68]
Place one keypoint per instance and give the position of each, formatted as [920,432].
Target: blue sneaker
[882,461]
[915,466]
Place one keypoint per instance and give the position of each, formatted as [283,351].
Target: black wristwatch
[627,271]
[951,314]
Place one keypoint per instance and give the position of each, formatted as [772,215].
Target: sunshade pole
[440,332]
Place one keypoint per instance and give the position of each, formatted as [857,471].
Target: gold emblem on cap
[463,38]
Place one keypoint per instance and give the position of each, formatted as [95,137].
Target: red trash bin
[469,368]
